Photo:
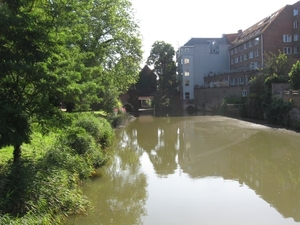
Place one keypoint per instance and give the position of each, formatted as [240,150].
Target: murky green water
[198,170]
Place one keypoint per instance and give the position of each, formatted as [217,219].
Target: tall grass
[44,186]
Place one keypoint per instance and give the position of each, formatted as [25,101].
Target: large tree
[103,51]
[25,84]
[162,59]
[58,50]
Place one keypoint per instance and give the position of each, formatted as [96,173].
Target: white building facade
[198,58]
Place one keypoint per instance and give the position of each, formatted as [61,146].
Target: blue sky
[175,22]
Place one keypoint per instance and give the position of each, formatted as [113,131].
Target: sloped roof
[257,28]
[231,37]
[199,41]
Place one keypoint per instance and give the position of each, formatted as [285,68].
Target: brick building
[246,52]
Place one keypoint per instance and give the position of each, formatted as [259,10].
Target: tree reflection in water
[120,194]
[264,159]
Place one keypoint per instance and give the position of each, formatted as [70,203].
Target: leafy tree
[294,76]
[77,52]
[113,46]
[260,103]
[25,85]
[277,64]
[162,59]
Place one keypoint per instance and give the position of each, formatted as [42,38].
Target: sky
[177,21]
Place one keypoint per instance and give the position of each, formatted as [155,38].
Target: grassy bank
[43,187]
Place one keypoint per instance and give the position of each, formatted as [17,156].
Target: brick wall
[212,98]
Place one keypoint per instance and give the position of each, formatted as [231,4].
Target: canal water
[197,170]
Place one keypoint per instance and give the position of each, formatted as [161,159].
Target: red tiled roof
[257,28]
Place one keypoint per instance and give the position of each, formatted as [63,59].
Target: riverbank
[43,187]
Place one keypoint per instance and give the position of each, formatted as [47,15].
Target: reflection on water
[198,170]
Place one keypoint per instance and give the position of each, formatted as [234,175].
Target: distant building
[278,32]
[230,61]
[198,58]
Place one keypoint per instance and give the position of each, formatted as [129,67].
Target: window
[236,60]
[187,82]
[187,95]
[250,55]
[253,65]
[295,25]
[245,46]
[232,81]
[231,52]
[241,58]
[235,50]
[186,73]
[287,38]
[246,80]
[256,41]
[214,47]
[287,50]
[296,37]
[295,12]
[244,93]
[186,61]
[231,61]
[296,50]
[215,50]
[241,80]
[250,43]
[245,57]
[256,53]
[240,48]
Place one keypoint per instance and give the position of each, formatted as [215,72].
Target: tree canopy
[162,59]
[58,51]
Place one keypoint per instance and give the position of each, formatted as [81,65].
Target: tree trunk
[17,153]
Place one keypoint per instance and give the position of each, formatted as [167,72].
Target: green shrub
[98,127]
[44,188]
[43,191]
[77,139]
[107,133]
[64,158]
[277,112]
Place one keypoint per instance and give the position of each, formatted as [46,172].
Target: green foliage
[43,189]
[294,76]
[14,126]
[274,78]
[231,100]
[259,97]
[119,119]
[25,85]
[77,52]
[38,193]
[162,58]
[277,64]
[78,140]
[278,111]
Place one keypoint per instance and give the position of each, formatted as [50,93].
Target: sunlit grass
[43,187]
